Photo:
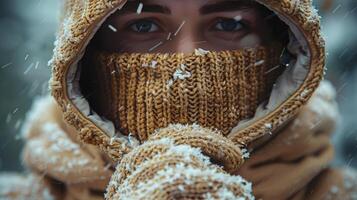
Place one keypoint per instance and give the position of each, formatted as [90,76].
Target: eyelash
[136,21]
[213,25]
[221,19]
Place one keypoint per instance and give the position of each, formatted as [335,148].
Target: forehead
[190,3]
[190,6]
[176,1]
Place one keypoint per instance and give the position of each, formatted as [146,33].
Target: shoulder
[321,113]
[44,110]
[335,184]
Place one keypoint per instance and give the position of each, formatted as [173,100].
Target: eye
[229,25]
[144,26]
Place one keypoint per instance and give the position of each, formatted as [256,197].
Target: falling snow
[6,65]
[155,46]
[111,27]
[179,28]
[339,29]
[140,8]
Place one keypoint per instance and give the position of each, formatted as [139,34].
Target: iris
[144,26]
[229,25]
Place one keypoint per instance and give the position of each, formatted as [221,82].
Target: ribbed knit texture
[81,18]
[144,92]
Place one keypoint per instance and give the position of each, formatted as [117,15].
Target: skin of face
[171,26]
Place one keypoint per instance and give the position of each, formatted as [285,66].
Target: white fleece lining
[285,86]
[75,95]
[290,80]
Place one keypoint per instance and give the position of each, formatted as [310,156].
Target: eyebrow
[225,6]
[132,6]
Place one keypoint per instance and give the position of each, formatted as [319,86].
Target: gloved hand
[187,162]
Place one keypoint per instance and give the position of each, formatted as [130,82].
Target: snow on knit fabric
[52,149]
[13,186]
[178,162]
[80,22]
[215,90]
[60,157]
[82,19]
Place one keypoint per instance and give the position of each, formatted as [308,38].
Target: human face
[172,26]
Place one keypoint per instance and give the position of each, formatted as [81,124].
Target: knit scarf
[142,92]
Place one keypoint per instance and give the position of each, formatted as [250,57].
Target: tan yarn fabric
[143,92]
[177,163]
[301,147]
[80,20]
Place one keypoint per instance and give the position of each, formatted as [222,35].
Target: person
[164,99]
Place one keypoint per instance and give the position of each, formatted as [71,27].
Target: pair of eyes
[150,26]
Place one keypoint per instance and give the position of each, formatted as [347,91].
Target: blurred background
[27,33]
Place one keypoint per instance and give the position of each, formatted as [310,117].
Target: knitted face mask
[142,92]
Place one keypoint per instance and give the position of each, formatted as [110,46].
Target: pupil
[144,26]
[229,25]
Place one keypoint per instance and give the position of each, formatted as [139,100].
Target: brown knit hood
[82,18]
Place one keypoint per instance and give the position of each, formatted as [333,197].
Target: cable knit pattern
[180,162]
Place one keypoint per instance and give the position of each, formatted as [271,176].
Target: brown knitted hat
[143,92]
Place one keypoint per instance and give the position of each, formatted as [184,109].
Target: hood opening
[287,84]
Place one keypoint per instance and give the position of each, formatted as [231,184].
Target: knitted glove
[181,162]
